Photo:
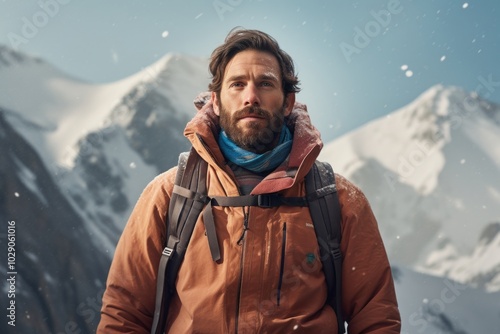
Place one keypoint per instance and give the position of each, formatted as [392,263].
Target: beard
[257,136]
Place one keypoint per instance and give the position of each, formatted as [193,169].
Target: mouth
[251,117]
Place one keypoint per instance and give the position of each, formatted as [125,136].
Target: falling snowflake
[409,73]
[442,58]
[16,194]
[132,165]
[114,56]
[164,34]
[404,67]
[465,5]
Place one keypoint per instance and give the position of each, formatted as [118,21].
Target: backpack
[189,200]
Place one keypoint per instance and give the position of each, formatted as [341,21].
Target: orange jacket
[240,294]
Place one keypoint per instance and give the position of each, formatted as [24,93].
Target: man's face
[252,105]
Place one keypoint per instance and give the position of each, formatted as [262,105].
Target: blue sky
[355,62]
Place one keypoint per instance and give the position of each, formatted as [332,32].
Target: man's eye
[266,84]
[236,84]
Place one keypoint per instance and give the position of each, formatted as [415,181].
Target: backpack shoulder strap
[186,203]
[325,212]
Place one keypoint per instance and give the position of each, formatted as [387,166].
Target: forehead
[246,61]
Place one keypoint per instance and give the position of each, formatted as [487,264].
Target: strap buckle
[268,200]
[167,251]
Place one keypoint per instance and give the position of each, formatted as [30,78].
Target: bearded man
[267,276]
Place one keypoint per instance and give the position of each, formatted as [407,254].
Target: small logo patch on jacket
[310,257]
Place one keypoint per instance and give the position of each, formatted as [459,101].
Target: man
[256,140]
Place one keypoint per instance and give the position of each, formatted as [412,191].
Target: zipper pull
[245,227]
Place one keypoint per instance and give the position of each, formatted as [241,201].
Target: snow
[430,171]
[483,132]
[65,109]
[480,268]
[430,304]
[118,151]
[28,178]
[416,162]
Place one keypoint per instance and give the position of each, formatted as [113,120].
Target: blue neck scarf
[253,161]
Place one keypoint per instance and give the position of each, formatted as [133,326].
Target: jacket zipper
[282,265]
[241,242]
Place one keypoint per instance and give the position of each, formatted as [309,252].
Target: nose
[252,96]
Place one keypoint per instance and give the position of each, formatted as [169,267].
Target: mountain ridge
[419,167]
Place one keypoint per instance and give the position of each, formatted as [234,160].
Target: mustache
[254,111]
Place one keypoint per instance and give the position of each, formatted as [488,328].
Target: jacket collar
[203,131]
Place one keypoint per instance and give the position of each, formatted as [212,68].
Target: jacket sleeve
[128,302]
[368,297]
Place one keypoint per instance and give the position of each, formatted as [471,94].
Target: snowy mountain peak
[174,75]
[453,104]
[430,171]
[10,57]
[65,110]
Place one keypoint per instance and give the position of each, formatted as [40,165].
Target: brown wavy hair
[240,39]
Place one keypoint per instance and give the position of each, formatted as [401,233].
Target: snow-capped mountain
[76,156]
[57,110]
[59,274]
[430,171]
[103,143]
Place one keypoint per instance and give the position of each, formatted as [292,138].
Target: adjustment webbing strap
[190,194]
[263,200]
[213,242]
[159,317]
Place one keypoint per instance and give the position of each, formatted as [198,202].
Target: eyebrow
[265,76]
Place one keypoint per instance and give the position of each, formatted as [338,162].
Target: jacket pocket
[282,264]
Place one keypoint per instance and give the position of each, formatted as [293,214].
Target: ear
[289,103]
[215,103]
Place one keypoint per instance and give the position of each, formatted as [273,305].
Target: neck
[257,162]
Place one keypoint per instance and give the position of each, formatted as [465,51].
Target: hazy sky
[355,61]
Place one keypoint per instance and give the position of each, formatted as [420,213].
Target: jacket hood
[203,132]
